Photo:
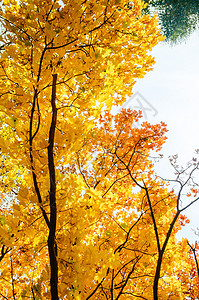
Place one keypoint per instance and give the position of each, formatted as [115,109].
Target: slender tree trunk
[160,256]
[157,276]
[52,247]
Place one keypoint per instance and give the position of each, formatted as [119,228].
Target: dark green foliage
[178,18]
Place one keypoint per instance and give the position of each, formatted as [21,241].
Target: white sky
[172,88]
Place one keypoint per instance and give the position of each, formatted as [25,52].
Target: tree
[178,19]
[83,215]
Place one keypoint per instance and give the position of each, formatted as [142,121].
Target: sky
[170,93]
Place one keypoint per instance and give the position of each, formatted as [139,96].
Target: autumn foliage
[83,214]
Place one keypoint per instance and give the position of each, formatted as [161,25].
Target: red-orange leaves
[125,142]
[183,220]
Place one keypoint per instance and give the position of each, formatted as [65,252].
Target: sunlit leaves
[104,239]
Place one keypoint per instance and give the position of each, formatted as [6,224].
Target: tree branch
[193,249]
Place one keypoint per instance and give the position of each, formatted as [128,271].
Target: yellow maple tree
[83,215]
